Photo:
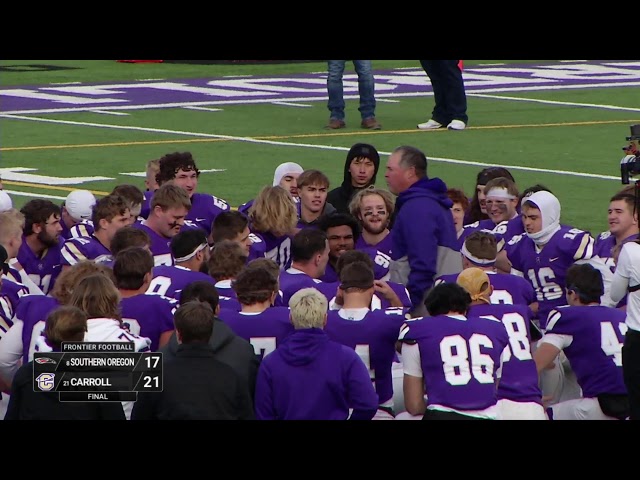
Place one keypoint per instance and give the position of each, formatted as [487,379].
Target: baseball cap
[5,201]
[472,280]
[4,256]
[79,204]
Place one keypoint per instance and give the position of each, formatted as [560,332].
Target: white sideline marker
[289,104]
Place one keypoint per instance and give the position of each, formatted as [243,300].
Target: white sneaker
[430,125]
[457,125]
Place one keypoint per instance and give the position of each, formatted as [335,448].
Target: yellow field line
[307,135]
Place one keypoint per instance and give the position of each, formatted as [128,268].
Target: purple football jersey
[33,311]
[373,335]
[169,281]
[277,249]
[204,209]
[83,229]
[292,280]
[330,275]
[380,254]
[6,314]
[505,231]
[12,291]
[66,232]
[399,290]
[546,269]
[43,270]
[147,195]
[160,246]
[148,315]
[519,380]
[595,352]
[509,289]
[459,358]
[480,226]
[244,208]
[229,303]
[258,247]
[84,248]
[263,330]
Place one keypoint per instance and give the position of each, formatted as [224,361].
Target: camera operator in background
[626,280]
[630,163]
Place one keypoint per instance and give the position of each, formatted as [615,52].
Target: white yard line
[205,109]
[291,104]
[107,112]
[305,145]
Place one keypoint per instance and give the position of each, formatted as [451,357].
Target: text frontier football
[98,347]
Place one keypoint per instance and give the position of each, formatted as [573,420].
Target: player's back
[33,311]
[459,357]
[170,280]
[373,335]
[263,330]
[291,282]
[508,289]
[596,334]
[149,315]
[519,380]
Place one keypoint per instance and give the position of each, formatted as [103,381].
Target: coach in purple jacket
[424,241]
[309,377]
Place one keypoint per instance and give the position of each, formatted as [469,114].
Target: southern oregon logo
[46,381]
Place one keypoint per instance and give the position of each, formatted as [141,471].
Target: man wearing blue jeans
[450,108]
[366,89]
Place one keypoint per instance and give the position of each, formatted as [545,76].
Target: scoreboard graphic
[97,372]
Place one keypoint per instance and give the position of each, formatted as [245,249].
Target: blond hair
[70,277]
[308,308]
[98,297]
[11,225]
[356,201]
[170,196]
[273,211]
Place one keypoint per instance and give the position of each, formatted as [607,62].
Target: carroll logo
[45,381]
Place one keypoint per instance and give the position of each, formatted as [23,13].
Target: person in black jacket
[64,324]
[196,386]
[360,170]
[227,347]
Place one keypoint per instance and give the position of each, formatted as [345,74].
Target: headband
[485,262]
[498,192]
[192,254]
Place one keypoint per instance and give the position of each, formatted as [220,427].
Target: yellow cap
[472,280]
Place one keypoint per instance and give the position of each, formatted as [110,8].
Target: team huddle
[317,304]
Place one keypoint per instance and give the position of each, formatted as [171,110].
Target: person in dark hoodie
[360,170]
[226,345]
[424,241]
[196,385]
[309,376]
